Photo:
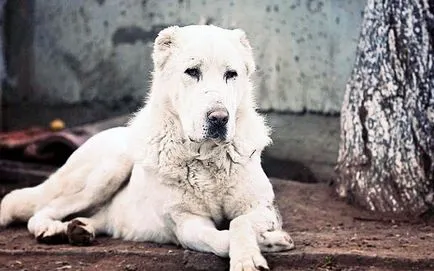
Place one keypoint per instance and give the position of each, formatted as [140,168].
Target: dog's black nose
[217,120]
[218,117]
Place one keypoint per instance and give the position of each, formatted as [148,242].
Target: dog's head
[203,76]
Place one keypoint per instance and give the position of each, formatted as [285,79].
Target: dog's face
[206,73]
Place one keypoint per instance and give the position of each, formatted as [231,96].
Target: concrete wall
[2,63]
[85,60]
[81,51]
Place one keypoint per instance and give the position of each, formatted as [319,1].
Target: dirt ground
[328,233]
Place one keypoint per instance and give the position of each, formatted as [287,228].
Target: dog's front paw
[249,261]
[274,241]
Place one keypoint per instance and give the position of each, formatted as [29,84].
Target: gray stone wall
[2,63]
[90,51]
[86,60]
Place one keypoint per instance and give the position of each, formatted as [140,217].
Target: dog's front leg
[244,252]
[199,233]
[258,230]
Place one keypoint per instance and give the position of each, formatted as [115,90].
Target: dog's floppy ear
[242,38]
[163,46]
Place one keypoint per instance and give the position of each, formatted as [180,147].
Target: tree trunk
[386,155]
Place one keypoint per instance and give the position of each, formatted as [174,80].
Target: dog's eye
[193,72]
[230,75]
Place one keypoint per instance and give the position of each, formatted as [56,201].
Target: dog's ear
[163,46]
[242,38]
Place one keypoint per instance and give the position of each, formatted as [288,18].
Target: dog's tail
[19,205]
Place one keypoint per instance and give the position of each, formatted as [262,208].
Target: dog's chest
[203,177]
[208,176]
[206,184]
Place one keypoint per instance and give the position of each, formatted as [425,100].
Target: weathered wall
[84,51]
[2,63]
[2,66]
[90,60]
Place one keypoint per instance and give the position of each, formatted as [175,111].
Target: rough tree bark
[386,155]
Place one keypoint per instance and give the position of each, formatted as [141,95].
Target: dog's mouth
[218,140]
[217,132]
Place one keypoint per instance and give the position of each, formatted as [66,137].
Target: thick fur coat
[187,163]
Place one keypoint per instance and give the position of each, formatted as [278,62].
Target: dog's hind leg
[80,231]
[103,183]
[89,179]
[91,175]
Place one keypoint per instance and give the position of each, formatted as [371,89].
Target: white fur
[182,184]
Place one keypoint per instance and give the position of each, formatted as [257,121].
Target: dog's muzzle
[217,123]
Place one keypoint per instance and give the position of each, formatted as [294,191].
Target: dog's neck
[165,149]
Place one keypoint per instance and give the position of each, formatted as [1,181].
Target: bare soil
[328,233]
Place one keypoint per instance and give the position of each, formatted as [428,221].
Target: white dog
[187,162]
